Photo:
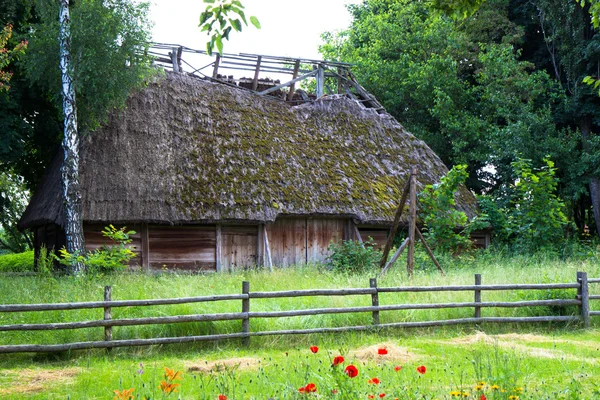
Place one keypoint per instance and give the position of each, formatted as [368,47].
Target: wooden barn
[213,178]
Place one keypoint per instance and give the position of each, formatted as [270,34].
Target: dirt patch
[36,380]
[395,354]
[206,367]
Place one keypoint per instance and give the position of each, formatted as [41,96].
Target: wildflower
[124,395]
[482,397]
[381,395]
[465,394]
[314,349]
[518,390]
[351,371]
[172,375]
[494,387]
[374,381]
[371,396]
[334,391]
[455,393]
[222,397]
[421,369]
[382,351]
[398,368]
[168,388]
[309,388]
[337,360]
[513,397]
[480,383]
[141,370]
[478,387]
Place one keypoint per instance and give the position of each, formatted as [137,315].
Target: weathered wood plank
[275,88]
[392,234]
[412,222]
[218,248]
[395,257]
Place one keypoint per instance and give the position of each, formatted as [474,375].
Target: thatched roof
[186,150]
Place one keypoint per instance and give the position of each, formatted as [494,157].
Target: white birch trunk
[70,144]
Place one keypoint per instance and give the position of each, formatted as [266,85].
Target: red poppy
[334,391]
[314,349]
[374,381]
[309,388]
[382,351]
[398,368]
[337,360]
[421,369]
[381,395]
[222,397]
[483,397]
[351,371]
[371,396]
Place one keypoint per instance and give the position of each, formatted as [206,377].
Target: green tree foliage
[6,55]
[13,200]
[439,214]
[109,54]
[221,17]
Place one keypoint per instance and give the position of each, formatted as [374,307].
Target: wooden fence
[581,300]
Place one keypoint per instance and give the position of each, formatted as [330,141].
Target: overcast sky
[289,27]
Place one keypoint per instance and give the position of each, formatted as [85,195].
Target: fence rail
[581,300]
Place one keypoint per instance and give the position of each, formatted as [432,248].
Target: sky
[289,27]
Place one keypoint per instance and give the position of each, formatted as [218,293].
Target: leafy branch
[221,17]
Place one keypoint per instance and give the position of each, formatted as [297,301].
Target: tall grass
[495,269]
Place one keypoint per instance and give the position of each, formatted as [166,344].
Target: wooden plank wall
[287,240]
[183,247]
[379,235]
[321,232]
[94,239]
[239,247]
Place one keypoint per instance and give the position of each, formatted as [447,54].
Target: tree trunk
[585,127]
[70,144]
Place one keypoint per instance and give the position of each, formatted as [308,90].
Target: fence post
[374,300]
[583,294]
[477,296]
[107,314]
[246,309]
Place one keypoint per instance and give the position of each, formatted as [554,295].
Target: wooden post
[394,229]
[294,76]
[216,68]
[320,81]
[145,251]
[256,72]
[268,260]
[374,300]
[428,250]
[179,52]
[340,84]
[357,232]
[173,54]
[219,249]
[107,314]
[246,309]
[410,263]
[477,296]
[584,295]
[395,257]
[260,246]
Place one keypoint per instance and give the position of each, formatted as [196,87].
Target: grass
[548,361]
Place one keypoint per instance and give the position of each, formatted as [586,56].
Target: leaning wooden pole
[394,229]
[410,263]
[431,255]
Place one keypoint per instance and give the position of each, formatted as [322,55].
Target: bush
[17,262]
[353,257]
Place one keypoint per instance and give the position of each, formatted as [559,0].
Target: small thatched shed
[208,175]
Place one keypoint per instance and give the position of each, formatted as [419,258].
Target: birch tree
[70,144]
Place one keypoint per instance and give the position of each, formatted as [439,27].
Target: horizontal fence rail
[581,301]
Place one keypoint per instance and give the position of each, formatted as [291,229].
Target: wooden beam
[410,262]
[145,243]
[294,76]
[268,260]
[394,257]
[275,88]
[219,248]
[256,73]
[357,232]
[216,68]
[394,228]
[431,255]
[260,246]
[320,81]
[173,55]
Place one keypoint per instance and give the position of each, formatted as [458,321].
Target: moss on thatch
[186,150]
